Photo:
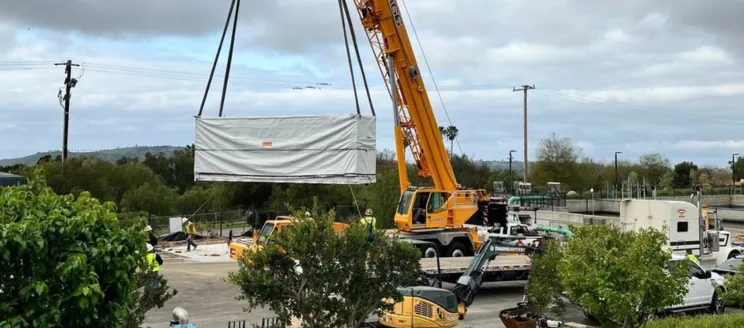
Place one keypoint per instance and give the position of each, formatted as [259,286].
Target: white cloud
[699,145]
[635,76]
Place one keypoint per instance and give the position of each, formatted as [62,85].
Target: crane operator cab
[422,306]
[427,208]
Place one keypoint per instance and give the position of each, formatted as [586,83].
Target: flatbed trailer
[502,268]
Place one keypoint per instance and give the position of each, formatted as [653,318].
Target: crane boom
[416,125]
[443,209]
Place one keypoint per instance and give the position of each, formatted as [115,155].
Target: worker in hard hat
[153,239]
[190,230]
[153,265]
[368,219]
[692,257]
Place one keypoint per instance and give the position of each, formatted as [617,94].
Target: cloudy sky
[632,76]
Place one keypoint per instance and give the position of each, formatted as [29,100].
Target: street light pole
[511,182]
[617,152]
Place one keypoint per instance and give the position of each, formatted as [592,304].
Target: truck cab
[263,237]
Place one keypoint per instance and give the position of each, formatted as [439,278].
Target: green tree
[327,279]
[667,181]
[739,168]
[383,196]
[544,290]
[153,197]
[621,277]
[556,161]
[66,260]
[655,166]
[683,174]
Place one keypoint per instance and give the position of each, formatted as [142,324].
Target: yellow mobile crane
[437,213]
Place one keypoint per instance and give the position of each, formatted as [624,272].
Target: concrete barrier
[563,219]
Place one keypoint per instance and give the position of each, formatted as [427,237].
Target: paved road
[211,301]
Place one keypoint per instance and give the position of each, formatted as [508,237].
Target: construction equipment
[435,213]
[433,306]
[271,227]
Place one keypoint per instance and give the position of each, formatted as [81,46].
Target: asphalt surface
[210,300]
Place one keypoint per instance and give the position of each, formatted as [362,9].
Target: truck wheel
[429,252]
[456,249]
[732,255]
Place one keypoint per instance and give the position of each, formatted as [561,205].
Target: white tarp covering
[306,149]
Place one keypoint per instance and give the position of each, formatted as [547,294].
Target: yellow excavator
[431,306]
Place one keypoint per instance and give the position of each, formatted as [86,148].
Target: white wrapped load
[305,149]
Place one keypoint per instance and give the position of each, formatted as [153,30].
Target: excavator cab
[422,306]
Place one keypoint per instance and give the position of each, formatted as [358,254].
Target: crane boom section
[383,24]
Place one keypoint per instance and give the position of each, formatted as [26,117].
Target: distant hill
[110,155]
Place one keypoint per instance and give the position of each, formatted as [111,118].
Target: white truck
[683,227]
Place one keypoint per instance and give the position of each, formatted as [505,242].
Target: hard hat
[184,220]
[368,211]
[148,228]
[149,248]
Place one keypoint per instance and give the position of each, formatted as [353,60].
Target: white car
[704,290]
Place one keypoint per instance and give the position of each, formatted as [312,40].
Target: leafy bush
[703,321]
[544,288]
[339,279]
[620,277]
[66,262]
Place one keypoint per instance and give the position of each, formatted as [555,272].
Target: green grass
[702,321]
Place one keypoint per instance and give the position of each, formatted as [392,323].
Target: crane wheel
[456,249]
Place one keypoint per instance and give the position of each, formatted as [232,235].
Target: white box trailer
[683,226]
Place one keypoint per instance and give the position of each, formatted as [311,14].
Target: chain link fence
[241,222]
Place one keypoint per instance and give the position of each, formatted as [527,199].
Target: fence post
[222,214]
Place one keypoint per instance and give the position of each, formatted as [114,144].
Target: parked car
[729,267]
[704,291]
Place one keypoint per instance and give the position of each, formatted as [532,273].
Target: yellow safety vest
[152,263]
[369,220]
[692,258]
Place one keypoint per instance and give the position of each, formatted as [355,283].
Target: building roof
[7,179]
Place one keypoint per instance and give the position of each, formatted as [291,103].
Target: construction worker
[153,239]
[190,230]
[153,264]
[692,257]
[368,219]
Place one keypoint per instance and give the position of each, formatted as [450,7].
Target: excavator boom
[469,283]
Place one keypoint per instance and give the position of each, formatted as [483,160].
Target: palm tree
[452,135]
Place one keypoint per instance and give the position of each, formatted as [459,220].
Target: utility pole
[69,84]
[733,169]
[525,88]
[511,182]
[616,186]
